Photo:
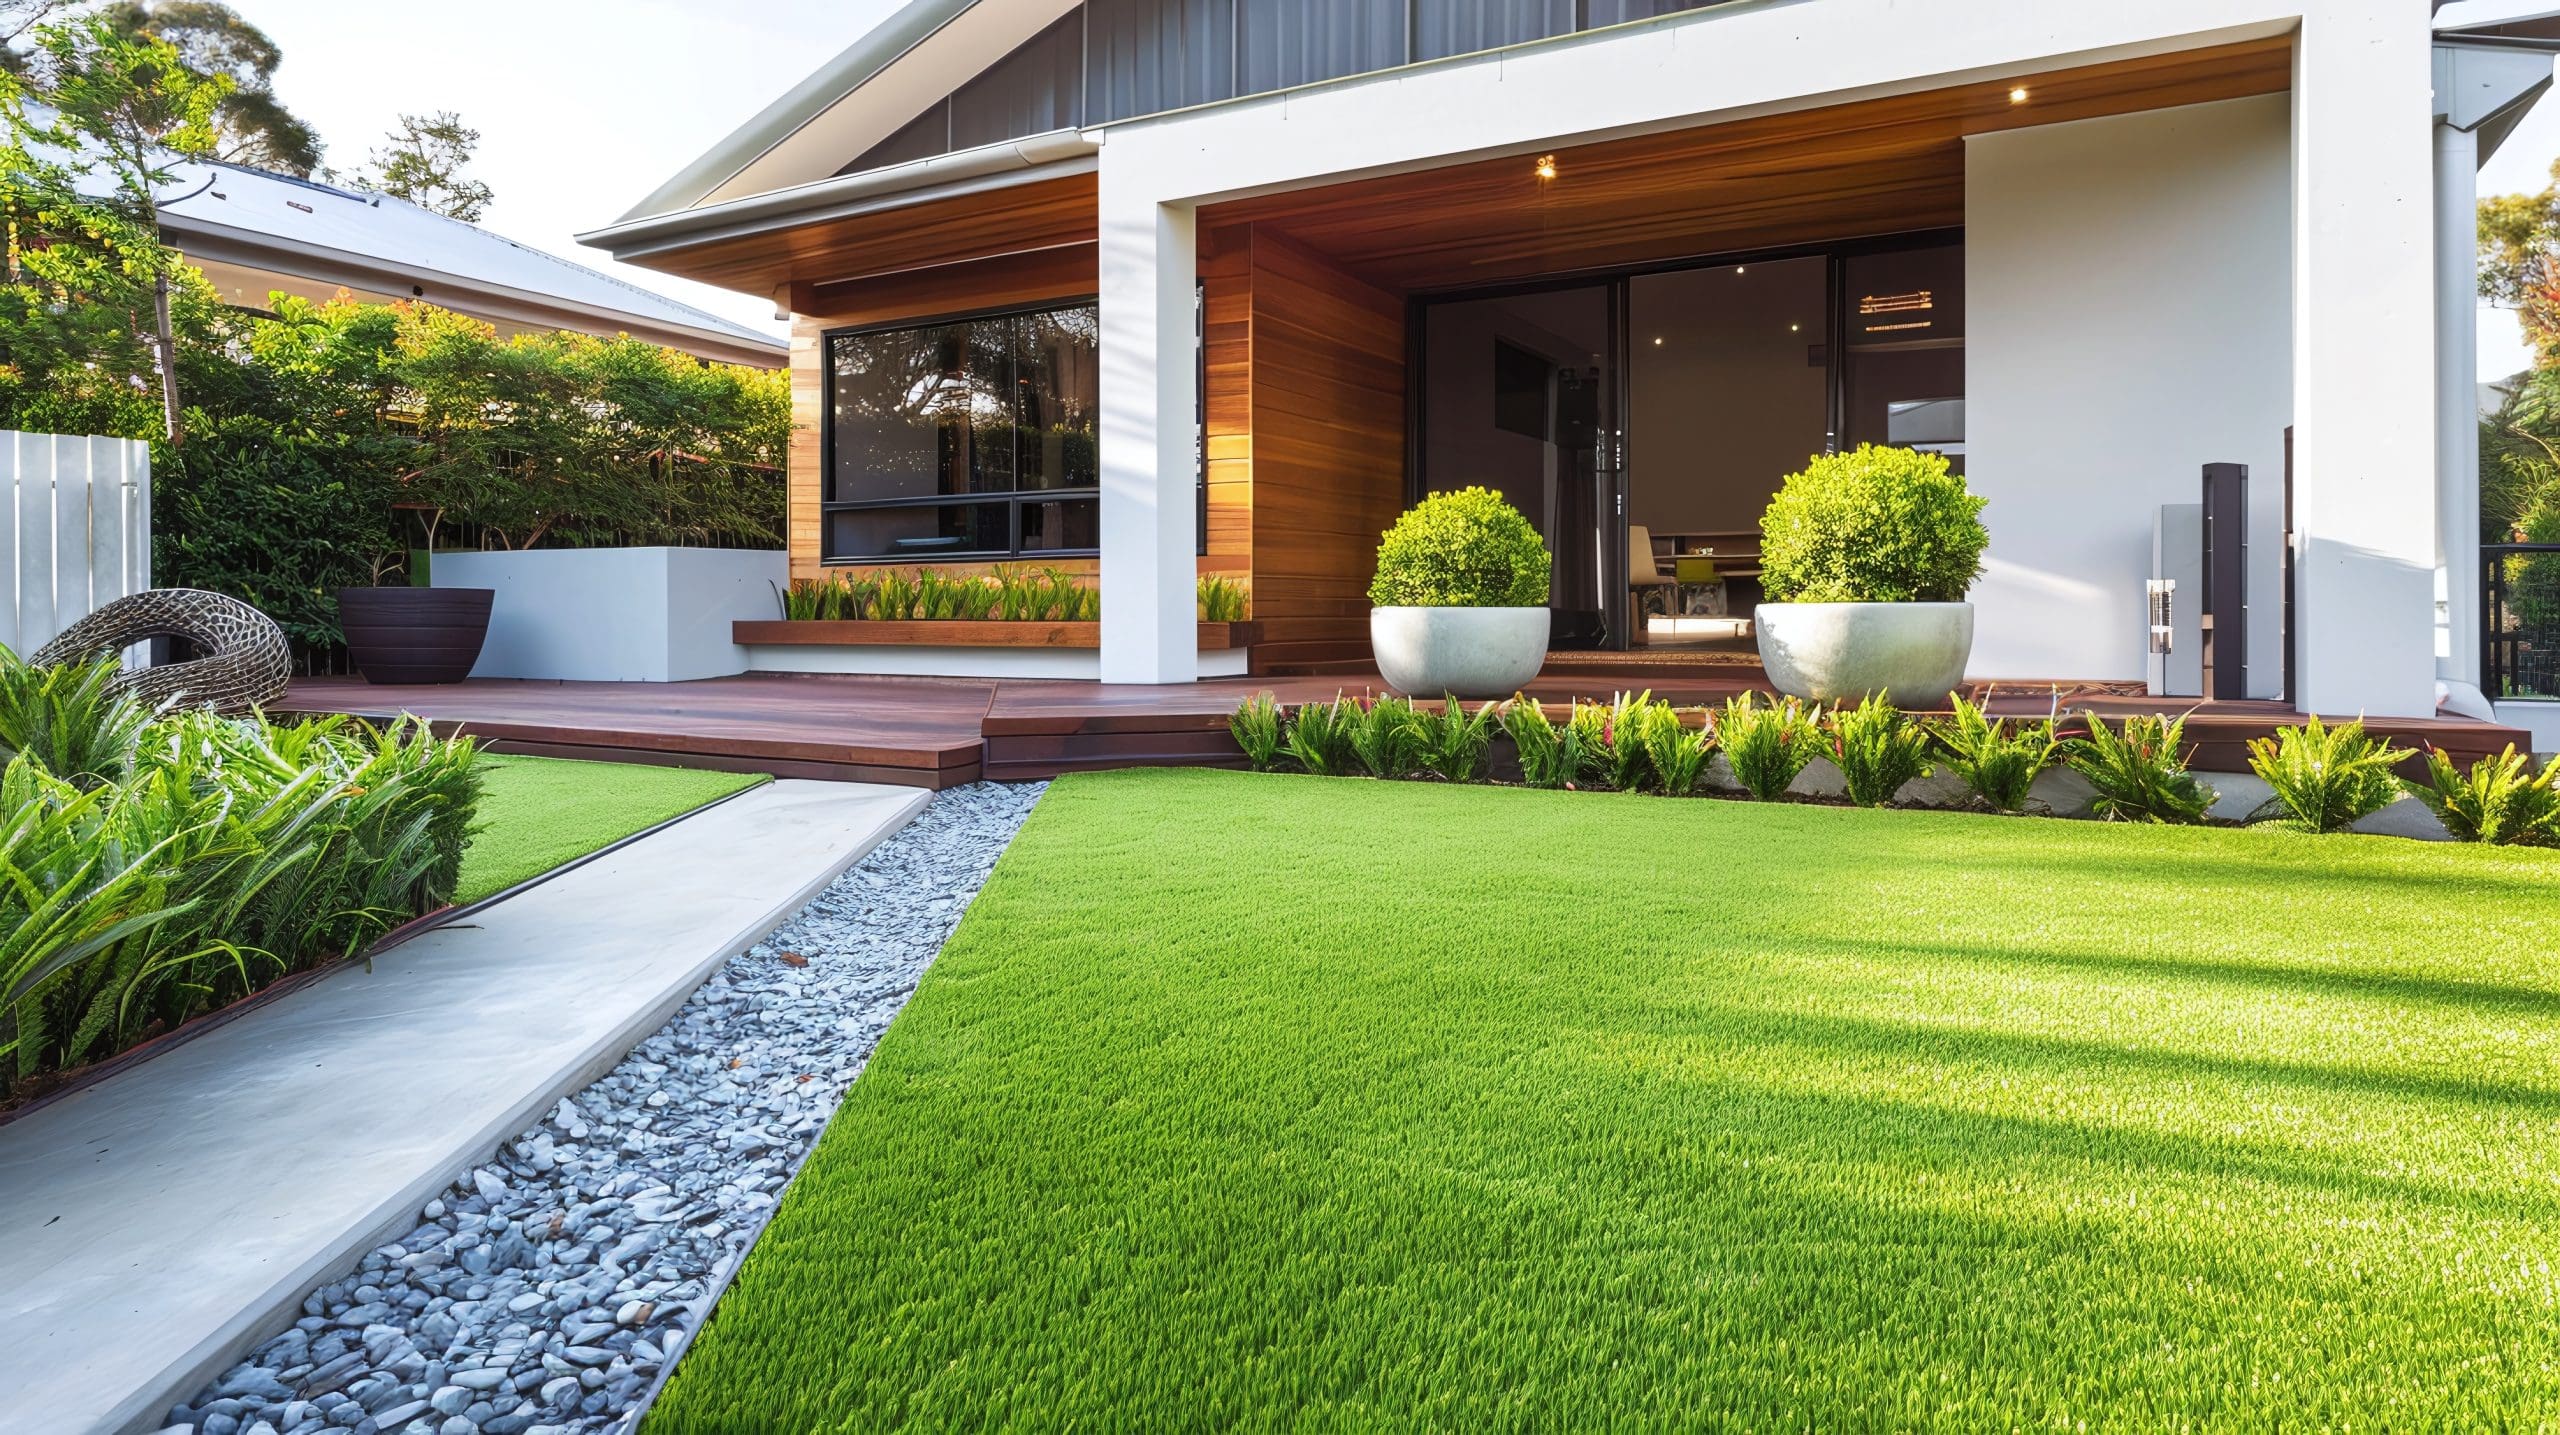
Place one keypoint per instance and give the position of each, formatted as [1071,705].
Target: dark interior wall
[1728,391]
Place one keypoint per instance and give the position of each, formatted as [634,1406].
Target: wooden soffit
[1871,167]
[1013,219]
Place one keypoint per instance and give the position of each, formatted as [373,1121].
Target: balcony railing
[2520,631]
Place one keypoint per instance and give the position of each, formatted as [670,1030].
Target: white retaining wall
[636,615]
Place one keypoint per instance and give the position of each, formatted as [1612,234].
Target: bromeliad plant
[2326,778]
[1999,761]
[1451,744]
[1612,739]
[1386,736]
[1256,728]
[2139,770]
[1550,752]
[1320,736]
[1676,752]
[2500,800]
[1767,747]
[1877,750]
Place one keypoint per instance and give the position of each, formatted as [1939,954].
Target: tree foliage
[252,126]
[424,164]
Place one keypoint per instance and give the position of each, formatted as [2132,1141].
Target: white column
[2457,403]
[1150,519]
[2364,359]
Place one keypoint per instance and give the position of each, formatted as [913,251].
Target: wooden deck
[943,732]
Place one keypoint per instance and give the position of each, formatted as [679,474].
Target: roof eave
[461,293]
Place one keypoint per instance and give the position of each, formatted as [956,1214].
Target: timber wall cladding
[1065,273]
[1324,422]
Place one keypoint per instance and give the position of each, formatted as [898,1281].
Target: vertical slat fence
[75,530]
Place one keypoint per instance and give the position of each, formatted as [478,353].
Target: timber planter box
[929,633]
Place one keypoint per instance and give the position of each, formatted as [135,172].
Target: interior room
[1643,422]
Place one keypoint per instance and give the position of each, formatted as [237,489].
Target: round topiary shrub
[1881,525]
[1467,549]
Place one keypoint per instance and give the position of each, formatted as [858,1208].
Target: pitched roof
[228,214]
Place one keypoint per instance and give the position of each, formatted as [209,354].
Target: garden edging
[106,1336]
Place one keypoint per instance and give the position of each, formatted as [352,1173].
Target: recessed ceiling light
[1795,328]
[1546,166]
[1740,268]
[1657,341]
[2018,96]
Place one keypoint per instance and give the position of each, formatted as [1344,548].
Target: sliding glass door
[1518,394]
[1643,421]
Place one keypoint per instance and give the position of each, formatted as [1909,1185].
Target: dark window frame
[1012,499]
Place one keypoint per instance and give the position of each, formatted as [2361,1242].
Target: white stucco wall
[2131,304]
[917,661]
[638,615]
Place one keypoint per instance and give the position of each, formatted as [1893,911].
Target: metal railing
[2520,627]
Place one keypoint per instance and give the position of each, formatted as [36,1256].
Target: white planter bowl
[1458,652]
[1913,653]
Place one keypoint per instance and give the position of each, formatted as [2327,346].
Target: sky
[585,106]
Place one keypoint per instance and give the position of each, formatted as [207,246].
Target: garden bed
[945,633]
[1270,1099]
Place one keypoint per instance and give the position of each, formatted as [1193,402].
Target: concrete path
[156,1226]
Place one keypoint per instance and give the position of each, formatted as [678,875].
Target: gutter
[996,166]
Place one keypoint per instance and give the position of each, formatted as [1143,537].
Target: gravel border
[545,1292]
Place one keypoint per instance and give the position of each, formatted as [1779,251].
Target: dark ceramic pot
[415,635]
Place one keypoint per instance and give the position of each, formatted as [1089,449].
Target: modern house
[1163,287]
[256,233]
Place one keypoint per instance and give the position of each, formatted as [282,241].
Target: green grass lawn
[538,812]
[1283,1101]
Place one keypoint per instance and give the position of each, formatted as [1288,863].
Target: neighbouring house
[1154,288]
[256,233]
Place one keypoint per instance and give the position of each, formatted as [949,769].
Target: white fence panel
[75,530]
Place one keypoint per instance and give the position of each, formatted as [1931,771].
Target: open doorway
[1643,421]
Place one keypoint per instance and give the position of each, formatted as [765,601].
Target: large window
[972,438]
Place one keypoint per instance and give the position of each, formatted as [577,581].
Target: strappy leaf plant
[1221,599]
[1768,746]
[2500,800]
[1320,736]
[1675,752]
[2139,769]
[1452,744]
[1999,759]
[1256,727]
[1877,749]
[1386,736]
[2326,778]
[1551,752]
[71,719]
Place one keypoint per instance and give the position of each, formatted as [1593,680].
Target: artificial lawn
[538,812]
[1288,1101]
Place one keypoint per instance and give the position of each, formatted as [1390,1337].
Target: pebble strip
[542,1292]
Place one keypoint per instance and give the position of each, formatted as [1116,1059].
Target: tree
[123,110]
[424,165]
[253,127]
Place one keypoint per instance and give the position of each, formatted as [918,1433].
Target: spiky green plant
[1877,750]
[1386,736]
[2139,769]
[1222,599]
[1676,752]
[2501,800]
[1320,736]
[1768,746]
[70,719]
[2326,778]
[1550,752]
[1998,758]
[1611,737]
[1451,743]
[1256,726]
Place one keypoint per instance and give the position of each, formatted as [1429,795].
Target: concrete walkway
[156,1226]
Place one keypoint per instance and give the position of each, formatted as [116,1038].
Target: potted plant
[1866,558]
[1459,604]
